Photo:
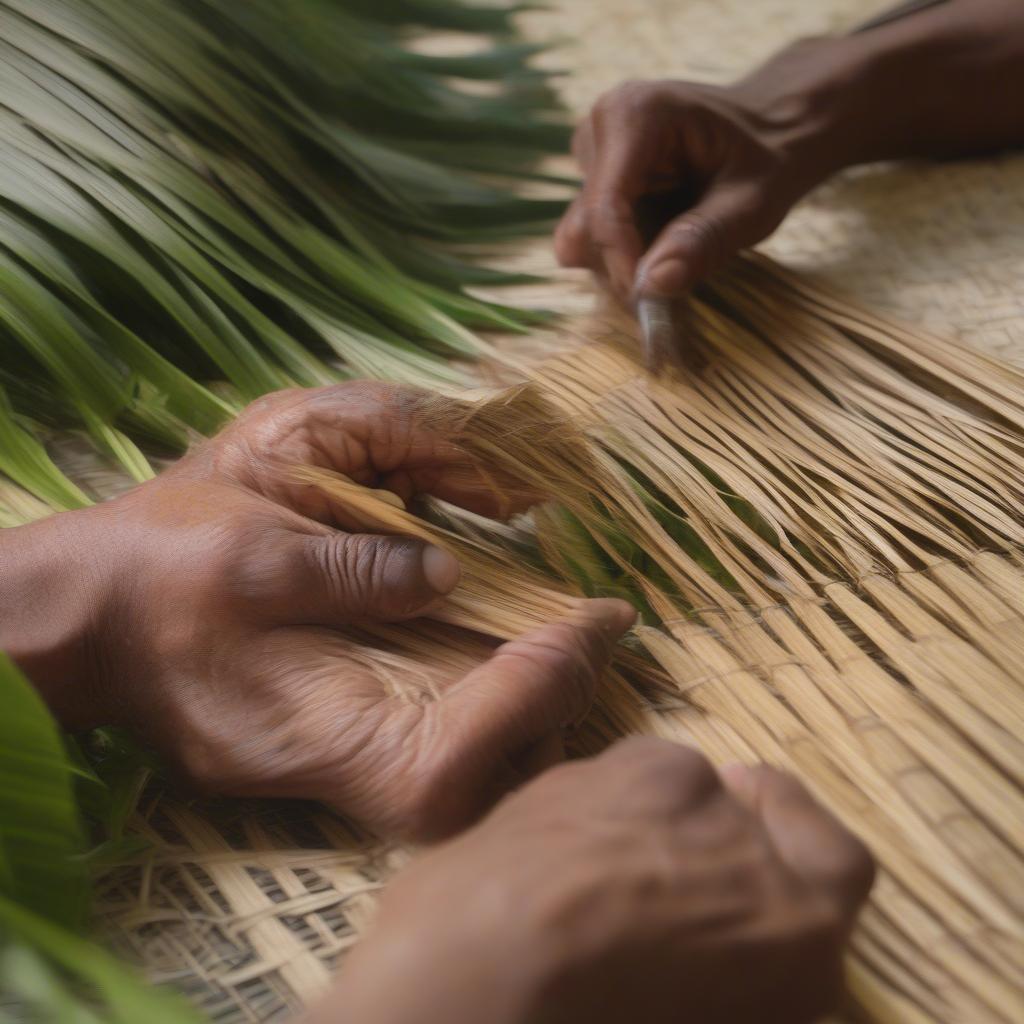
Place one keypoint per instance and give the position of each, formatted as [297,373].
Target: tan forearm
[944,81]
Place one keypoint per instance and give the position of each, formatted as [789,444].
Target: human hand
[201,610]
[679,176]
[640,886]
[715,175]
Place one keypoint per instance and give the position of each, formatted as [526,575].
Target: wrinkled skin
[639,886]
[728,164]
[200,609]
[731,160]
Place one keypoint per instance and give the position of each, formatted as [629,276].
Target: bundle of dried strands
[824,527]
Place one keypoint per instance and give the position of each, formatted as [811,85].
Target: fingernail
[615,615]
[657,327]
[441,569]
[667,277]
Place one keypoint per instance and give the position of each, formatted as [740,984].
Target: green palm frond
[201,201]
[61,978]
[48,970]
[41,832]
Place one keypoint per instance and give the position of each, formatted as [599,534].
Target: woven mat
[248,907]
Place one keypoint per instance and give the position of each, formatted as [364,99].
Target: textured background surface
[936,244]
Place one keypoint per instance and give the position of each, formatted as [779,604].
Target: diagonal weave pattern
[829,544]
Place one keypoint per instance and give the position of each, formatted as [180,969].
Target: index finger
[622,151]
[371,432]
[477,733]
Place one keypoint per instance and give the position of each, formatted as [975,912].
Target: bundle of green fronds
[50,795]
[204,200]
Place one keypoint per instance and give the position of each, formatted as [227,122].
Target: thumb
[532,687]
[731,216]
[346,577]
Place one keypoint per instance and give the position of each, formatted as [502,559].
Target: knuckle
[380,403]
[756,214]
[269,403]
[261,419]
[698,230]
[607,212]
[567,907]
[566,778]
[357,391]
[359,565]
[698,240]
[641,750]
[556,648]
[765,777]
[744,867]
[669,767]
[395,560]
[347,565]
[636,102]
[195,766]
[563,787]
[632,96]
[668,96]
[582,140]
[607,102]
[570,242]
[402,401]
[568,640]
[361,570]
[608,220]
[692,763]
[629,97]
[748,203]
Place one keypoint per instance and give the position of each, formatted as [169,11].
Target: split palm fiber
[824,526]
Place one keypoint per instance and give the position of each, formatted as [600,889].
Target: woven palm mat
[873,646]
[891,684]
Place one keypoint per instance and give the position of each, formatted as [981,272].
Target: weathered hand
[724,164]
[201,610]
[718,169]
[639,886]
